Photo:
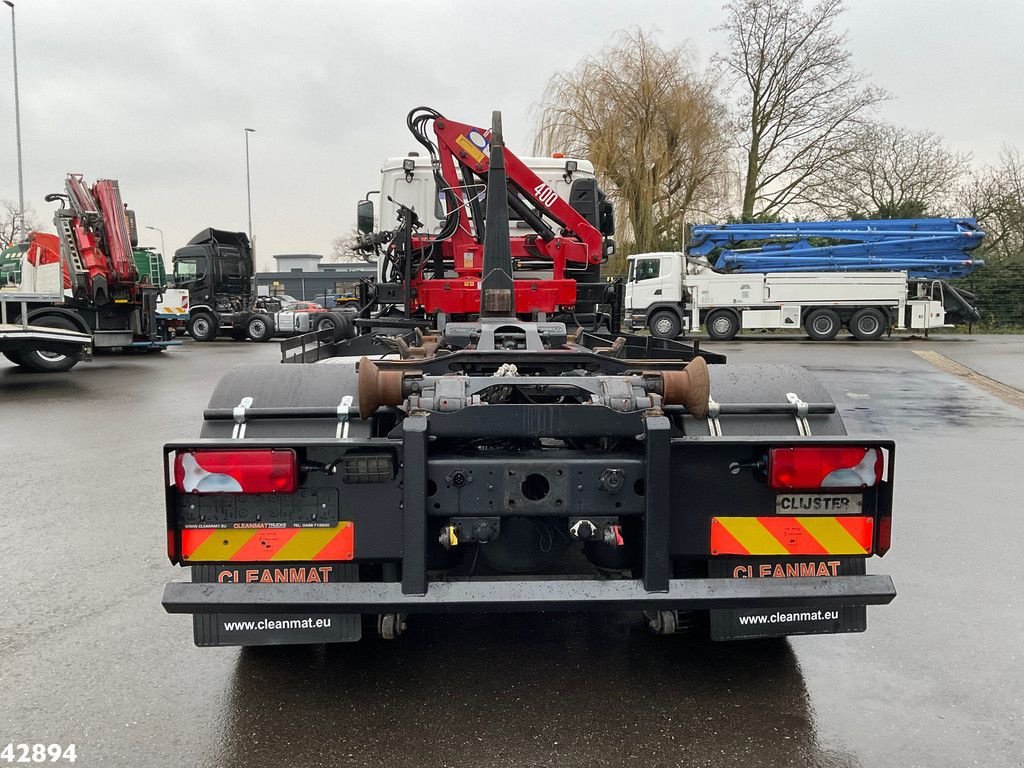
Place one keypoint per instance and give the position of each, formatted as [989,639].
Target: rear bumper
[526,596]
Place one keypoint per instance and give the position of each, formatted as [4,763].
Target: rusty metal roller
[376,388]
[690,387]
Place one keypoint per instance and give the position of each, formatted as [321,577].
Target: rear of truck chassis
[498,465]
[296,519]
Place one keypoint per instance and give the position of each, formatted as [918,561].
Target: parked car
[303,306]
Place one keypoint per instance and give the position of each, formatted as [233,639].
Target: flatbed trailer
[501,464]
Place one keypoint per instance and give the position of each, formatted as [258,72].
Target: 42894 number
[37,753]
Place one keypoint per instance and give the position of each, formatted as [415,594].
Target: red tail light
[241,471]
[836,467]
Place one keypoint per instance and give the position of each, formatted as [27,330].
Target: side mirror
[606,218]
[364,216]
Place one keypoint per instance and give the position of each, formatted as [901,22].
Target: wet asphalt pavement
[88,656]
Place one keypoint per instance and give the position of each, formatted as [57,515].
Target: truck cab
[216,268]
[409,181]
[654,293]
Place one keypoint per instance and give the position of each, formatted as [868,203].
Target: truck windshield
[189,269]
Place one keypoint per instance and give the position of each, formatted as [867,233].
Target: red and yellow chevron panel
[778,535]
[257,545]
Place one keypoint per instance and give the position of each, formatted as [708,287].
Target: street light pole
[17,125]
[163,252]
[248,181]
[158,274]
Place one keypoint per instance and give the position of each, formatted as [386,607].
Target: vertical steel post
[248,187]
[17,127]
[163,250]
[414,505]
[657,519]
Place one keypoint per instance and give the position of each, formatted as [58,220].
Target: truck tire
[868,324]
[50,362]
[336,322]
[822,324]
[664,324]
[202,327]
[260,327]
[722,325]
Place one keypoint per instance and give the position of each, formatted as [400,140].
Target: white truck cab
[414,188]
[670,293]
[409,181]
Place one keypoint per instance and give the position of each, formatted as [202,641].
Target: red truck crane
[96,234]
[104,296]
[432,275]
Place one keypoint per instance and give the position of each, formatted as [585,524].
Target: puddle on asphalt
[912,400]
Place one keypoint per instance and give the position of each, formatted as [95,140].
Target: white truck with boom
[790,280]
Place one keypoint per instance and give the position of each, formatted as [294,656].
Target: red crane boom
[561,234]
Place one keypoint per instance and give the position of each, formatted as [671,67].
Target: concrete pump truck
[497,463]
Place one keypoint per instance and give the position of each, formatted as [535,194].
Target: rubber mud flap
[227,629]
[749,623]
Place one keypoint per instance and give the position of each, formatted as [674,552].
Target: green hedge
[999,287]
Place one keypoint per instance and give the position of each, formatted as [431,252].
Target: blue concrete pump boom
[924,248]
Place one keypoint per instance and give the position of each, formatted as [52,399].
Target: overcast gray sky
[157,94]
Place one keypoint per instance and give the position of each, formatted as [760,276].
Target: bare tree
[10,218]
[799,99]
[995,196]
[344,250]
[890,172]
[652,128]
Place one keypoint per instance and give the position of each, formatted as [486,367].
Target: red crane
[444,270]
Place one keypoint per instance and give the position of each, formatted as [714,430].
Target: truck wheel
[822,325]
[329,322]
[50,362]
[867,324]
[260,328]
[202,327]
[722,325]
[664,324]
